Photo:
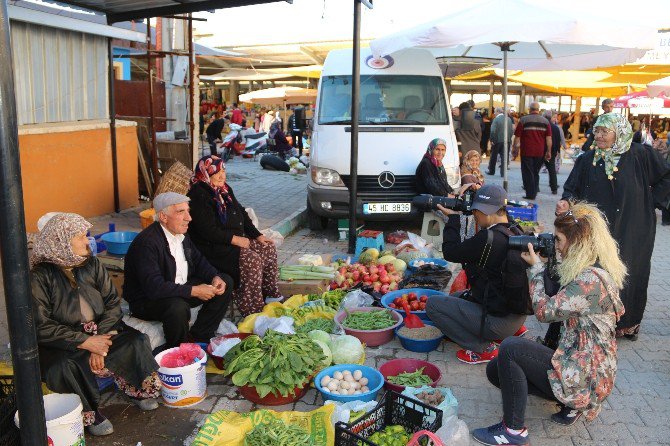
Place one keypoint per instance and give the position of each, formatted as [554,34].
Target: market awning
[279,95]
[122,10]
[641,99]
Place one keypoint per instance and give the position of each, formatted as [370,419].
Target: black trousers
[497,150]
[519,370]
[530,174]
[175,312]
[297,141]
[551,169]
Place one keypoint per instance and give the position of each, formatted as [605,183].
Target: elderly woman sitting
[470,166]
[430,176]
[225,235]
[79,328]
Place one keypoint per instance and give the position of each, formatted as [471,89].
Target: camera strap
[482,270]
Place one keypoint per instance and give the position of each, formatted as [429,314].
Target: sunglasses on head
[570,214]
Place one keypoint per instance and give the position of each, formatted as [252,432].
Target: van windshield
[385,99]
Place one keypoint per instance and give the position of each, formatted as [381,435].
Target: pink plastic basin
[371,338]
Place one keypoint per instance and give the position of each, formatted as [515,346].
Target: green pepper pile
[414,379]
[525,223]
[391,436]
[333,298]
[369,320]
[277,363]
[322,324]
[277,433]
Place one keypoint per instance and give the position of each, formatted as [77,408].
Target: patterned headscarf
[429,152]
[208,166]
[624,138]
[54,242]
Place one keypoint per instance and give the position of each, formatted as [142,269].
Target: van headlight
[453,176]
[326,177]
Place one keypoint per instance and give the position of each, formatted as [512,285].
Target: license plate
[387,208]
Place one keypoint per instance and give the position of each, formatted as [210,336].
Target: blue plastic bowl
[438,262]
[390,296]
[118,242]
[419,345]
[375,382]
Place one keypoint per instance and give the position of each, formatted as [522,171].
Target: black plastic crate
[9,434]
[393,409]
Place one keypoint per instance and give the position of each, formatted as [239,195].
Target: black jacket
[430,179]
[150,268]
[57,308]
[211,236]
[469,252]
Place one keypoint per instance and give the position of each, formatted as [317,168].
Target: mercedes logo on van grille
[386,180]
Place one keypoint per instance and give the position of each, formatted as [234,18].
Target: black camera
[427,202]
[543,244]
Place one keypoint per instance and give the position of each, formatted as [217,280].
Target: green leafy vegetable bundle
[277,363]
[277,433]
[369,320]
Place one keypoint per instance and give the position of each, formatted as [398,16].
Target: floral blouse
[585,361]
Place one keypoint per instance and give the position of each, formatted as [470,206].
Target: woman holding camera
[580,373]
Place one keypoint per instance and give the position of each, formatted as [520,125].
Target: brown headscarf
[471,168]
[54,242]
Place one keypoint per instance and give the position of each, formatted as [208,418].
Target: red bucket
[271,399]
[218,360]
[397,366]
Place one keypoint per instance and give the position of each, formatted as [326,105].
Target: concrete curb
[291,223]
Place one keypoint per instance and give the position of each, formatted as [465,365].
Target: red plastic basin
[271,399]
[218,360]
[396,366]
[371,338]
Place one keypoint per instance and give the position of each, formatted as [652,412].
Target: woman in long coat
[626,181]
[79,329]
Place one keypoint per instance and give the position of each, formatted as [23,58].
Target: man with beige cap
[166,276]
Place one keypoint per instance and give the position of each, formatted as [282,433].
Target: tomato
[397,301]
[422,306]
[423,298]
[412,295]
[412,298]
[392,306]
[414,306]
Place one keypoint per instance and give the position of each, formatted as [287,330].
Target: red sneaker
[520,332]
[470,357]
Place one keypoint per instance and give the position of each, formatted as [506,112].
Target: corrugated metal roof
[122,10]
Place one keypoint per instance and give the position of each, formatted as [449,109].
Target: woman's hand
[530,257]
[98,344]
[465,187]
[447,211]
[263,239]
[241,242]
[562,207]
[219,285]
[96,362]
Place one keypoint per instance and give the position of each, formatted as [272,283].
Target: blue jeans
[520,369]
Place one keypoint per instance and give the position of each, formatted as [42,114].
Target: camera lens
[521,242]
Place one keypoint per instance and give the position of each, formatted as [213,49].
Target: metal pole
[152,124]
[14,255]
[191,85]
[355,99]
[112,125]
[505,49]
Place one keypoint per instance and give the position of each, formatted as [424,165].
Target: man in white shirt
[165,276]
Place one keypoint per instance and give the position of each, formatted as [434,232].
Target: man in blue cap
[481,317]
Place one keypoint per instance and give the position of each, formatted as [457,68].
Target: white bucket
[183,386]
[65,426]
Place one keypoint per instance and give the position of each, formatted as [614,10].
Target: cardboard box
[290,288]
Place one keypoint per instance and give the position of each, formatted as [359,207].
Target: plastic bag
[230,428]
[449,406]
[273,235]
[356,299]
[414,247]
[226,327]
[454,432]
[282,324]
[460,283]
[221,348]
[252,216]
[343,410]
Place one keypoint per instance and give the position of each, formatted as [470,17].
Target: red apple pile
[382,278]
[414,302]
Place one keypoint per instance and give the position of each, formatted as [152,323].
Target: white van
[403,106]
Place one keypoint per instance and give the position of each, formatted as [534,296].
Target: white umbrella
[537,37]
[279,95]
[659,87]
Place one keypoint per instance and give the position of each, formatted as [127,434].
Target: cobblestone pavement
[635,413]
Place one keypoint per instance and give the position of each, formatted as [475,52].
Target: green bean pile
[277,433]
[414,379]
[369,320]
[326,325]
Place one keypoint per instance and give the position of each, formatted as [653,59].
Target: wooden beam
[312,55]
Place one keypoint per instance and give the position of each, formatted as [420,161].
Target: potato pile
[431,399]
[345,383]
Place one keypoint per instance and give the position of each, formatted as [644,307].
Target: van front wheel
[315,222]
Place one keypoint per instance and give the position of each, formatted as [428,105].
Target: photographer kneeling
[580,373]
[483,314]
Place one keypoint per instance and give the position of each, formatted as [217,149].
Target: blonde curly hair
[589,243]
